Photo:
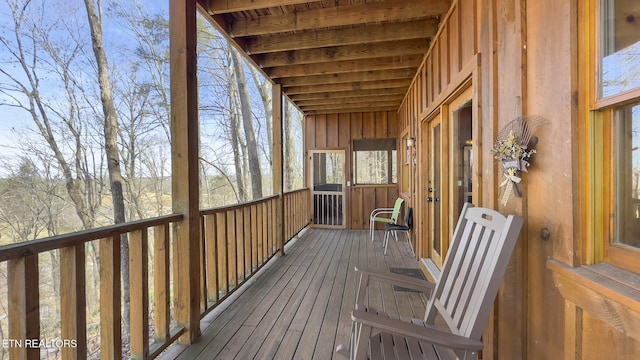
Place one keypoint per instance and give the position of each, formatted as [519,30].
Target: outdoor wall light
[411,142]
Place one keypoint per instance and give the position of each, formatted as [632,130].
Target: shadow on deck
[299,307]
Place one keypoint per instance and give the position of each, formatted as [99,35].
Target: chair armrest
[378,211]
[421,333]
[398,279]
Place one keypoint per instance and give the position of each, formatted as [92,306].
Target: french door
[437,243]
[449,170]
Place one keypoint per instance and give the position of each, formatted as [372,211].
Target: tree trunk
[264,88]
[235,135]
[247,122]
[289,149]
[111,146]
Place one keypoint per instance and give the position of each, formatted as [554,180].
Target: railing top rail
[236,206]
[296,191]
[27,248]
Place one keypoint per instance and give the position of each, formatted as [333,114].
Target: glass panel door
[434,187]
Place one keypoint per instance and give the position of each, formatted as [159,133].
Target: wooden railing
[236,242]
[24,336]
[297,212]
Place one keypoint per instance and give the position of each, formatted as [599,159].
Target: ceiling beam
[386,63]
[339,53]
[397,91]
[396,99]
[387,11]
[228,6]
[344,36]
[348,77]
[354,109]
[367,85]
[366,104]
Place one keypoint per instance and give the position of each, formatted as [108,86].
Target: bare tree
[264,88]
[24,90]
[111,142]
[151,33]
[247,122]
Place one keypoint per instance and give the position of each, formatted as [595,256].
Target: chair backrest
[408,218]
[396,209]
[473,270]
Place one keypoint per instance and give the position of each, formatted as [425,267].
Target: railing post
[278,168]
[184,161]
[24,308]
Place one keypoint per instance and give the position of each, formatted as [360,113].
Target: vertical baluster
[221,240]
[24,308]
[161,279]
[231,249]
[73,301]
[274,226]
[211,256]
[321,215]
[289,215]
[110,318]
[255,240]
[265,231]
[203,268]
[260,233]
[268,227]
[139,289]
[248,268]
[239,238]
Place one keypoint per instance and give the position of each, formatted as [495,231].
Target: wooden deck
[299,307]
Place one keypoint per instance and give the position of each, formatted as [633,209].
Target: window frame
[392,161]
[599,116]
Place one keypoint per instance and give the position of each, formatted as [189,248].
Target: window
[627,175]
[374,161]
[615,137]
[620,47]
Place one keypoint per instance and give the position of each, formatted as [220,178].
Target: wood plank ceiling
[333,56]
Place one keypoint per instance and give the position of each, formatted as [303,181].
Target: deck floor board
[299,308]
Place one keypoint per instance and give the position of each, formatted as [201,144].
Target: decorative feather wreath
[514,147]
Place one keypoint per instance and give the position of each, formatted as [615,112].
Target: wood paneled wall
[522,58]
[453,48]
[337,131]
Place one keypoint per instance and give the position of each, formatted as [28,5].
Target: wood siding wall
[522,58]
[337,132]
[444,64]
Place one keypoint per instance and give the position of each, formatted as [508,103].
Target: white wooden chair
[390,215]
[478,256]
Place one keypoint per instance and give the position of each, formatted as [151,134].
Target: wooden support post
[184,161]
[278,168]
[73,301]
[24,308]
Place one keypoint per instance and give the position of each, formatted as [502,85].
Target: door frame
[444,113]
[342,194]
